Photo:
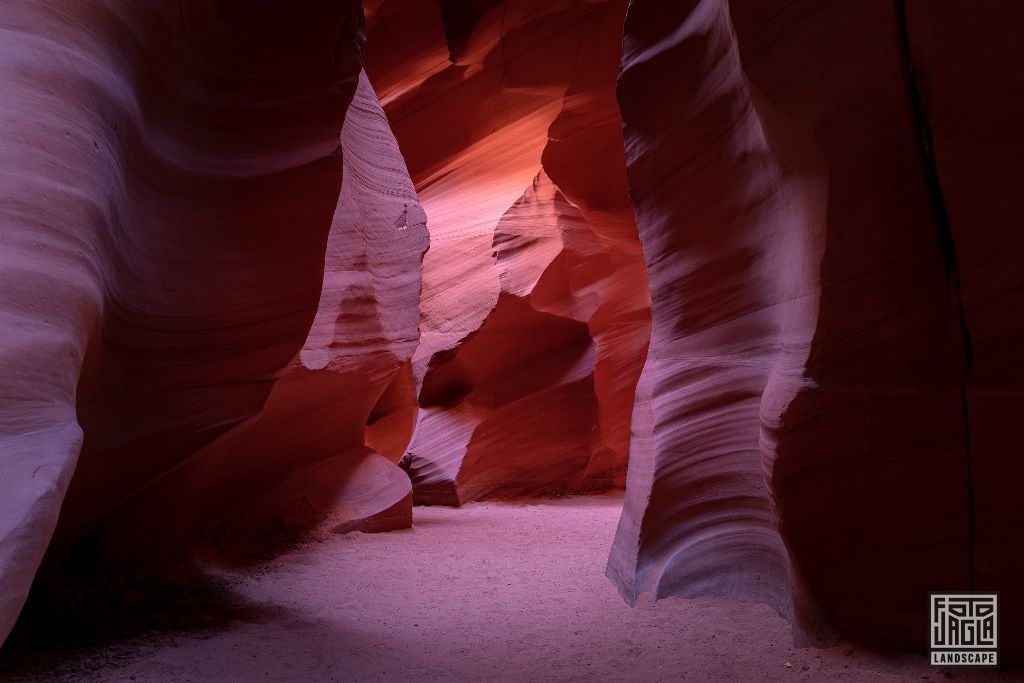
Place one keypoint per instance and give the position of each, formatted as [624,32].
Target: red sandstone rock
[534,298]
[966,62]
[828,418]
[170,171]
[800,433]
[302,459]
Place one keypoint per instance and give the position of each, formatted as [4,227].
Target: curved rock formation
[534,295]
[303,459]
[170,173]
[806,429]
[213,333]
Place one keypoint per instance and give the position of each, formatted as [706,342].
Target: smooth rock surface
[965,65]
[534,300]
[814,400]
[303,459]
[169,175]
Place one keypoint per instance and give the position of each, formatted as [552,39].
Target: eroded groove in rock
[804,379]
[534,254]
[152,149]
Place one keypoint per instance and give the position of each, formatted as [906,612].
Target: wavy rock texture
[822,196]
[303,458]
[534,305]
[800,428]
[170,173]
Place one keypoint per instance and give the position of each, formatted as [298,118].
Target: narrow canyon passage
[510,339]
[488,592]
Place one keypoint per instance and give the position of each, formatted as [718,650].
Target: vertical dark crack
[926,149]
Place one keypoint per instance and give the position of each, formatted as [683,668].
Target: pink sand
[490,592]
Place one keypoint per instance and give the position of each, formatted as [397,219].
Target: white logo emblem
[964,629]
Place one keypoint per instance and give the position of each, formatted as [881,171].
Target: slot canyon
[508,339]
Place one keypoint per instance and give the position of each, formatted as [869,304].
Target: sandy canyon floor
[488,592]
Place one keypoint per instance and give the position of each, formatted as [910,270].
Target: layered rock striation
[818,424]
[170,175]
[765,248]
[534,305]
[308,455]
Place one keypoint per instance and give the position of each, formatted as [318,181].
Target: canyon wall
[221,325]
[170,175]
[535,305]
[965,66]
[308,456]
[820,425]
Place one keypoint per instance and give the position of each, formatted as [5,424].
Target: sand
[488,592]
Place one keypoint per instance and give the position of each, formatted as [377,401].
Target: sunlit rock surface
[534,305]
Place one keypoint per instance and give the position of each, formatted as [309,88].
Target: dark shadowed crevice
[459,18]
[940,214]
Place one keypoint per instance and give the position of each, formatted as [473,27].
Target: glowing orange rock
[534,297]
